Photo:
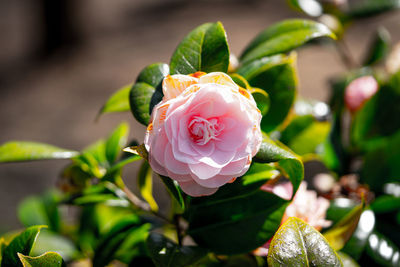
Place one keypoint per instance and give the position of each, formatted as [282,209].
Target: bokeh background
[60,61]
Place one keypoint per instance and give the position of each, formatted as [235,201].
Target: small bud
[233,63]
[359,91]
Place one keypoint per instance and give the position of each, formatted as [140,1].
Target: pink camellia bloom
[359,91]
[306,205]
[204,132]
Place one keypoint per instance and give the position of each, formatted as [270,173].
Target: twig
[177,220]
[141,204]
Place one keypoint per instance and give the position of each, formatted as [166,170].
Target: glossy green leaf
[339,208]
[116,142]
[366,8]
[379,47]
[289,162]
[341,232]
[140,97]
[240,80]
[153,74]
[312,8]
[48,259]
[203,49]
[112,240]
[26,151]
[165,253]
[145,183]
[174,190]
[383,250]
[385,203]
[298,244]
[118,101]
[262,99]
[277,76]
[22,243]
[283,37]
[214,220]
[356,244]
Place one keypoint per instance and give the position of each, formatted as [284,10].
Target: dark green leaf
[382,250]
[165,253]
[116,142]
[145,183]
[2,247]
[22,243]
[262,99]
[385,203]
[153,74]
[203,49]
[339,208]
[283,37]
[298,244]
[366,8]
[379,47]
[239,217]
[288,161]
[277,76]
[112,240]
[26,151]
[48,259]
[139,99]
[341,232]
[174,190]
[117,102]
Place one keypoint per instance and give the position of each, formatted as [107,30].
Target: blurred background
[61,60]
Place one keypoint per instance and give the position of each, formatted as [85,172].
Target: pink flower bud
[359,91]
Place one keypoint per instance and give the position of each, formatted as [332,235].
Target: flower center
[203,130]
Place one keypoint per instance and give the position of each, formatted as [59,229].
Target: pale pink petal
[193,189]
[157,166]
[179,177]
[158,145]
[203,171]
[234,168]
[172,164]
[174,85]
[203,150]
[215,181]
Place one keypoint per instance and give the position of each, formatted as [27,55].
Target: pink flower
[359,91]
[306,205]
[204,132]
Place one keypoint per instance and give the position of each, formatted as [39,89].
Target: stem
[142,205]
[346,55]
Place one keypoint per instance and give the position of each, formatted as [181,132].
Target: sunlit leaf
[383,250]
[203,49]
[48,259]
[298,244]
[26,151]
[145,182]
[22,243]
[283,37]
[174,190]
[116,142]
[118,101]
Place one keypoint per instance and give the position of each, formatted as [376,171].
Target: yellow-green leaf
[48,259]
[145,181]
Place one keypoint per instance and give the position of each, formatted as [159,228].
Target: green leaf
[311,7]
[385,203]
[118,101]
[165,253]
[383,250]
[262,99]
[146,92]
[283,37]
[26,151]
[48,259]
[379,47]
[174,190]
[366,8]
[341,232]
[305,134]
[215,221]
[145,183]
[116,142]
[339,208]
[153,74]
[112,240]
[277,76]
[356,244]
[22,243]
[203,49]
[299,244]
[289,162]
[140,97]
[2,247]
